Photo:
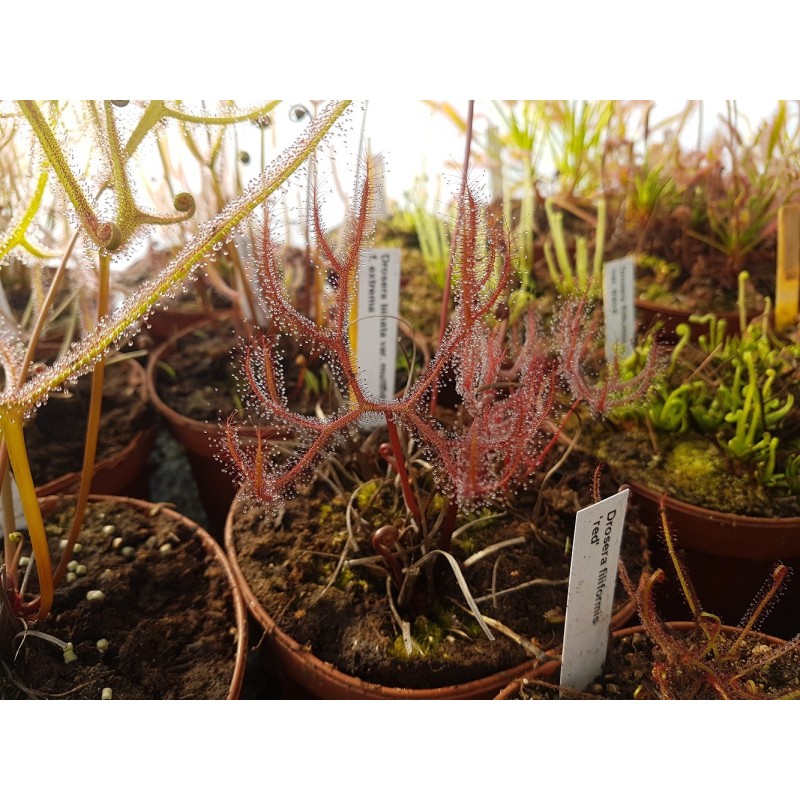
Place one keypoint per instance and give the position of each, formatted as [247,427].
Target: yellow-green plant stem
[102,233]
[11,425]
[212,235]
[17,235]
[33,343]
[9,520]
[92,431]
[15,402]
[157,110]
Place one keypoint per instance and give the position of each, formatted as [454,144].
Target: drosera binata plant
[102,236]
[510,380]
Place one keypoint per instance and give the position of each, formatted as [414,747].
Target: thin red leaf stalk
[707,664]
[514,396]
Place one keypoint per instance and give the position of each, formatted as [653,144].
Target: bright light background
[415,140]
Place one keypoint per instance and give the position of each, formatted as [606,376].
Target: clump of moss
[348,580]
[432,633]
[366,494]
[695,462]
[329,511]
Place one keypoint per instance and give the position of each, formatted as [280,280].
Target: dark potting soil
[56,434]
[199,378]
[629,666]
[703,280]
[167,613]
[203,379]
[288,560]
[689,468]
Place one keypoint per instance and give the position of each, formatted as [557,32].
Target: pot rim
[320,673]
[681,625]
[240,658]
[170,414]
[123,459]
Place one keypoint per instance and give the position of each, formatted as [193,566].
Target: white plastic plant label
[20,522]
[376,323]
[592,580]
[618,306]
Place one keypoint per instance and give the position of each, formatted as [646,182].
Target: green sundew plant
[517,148]
[23,393]
[433,233]
[576,134]
[736,210]
[652,186]
[732,191]
[579,277]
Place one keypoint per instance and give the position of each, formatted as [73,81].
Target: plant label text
[376,325]
[592,580]
[618,307]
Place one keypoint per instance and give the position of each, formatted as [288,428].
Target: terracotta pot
[539,672]
[318,679]
[649,312]
[239,655]
[165,323]
[548,669]
[124,473]
[729,557]
[202,441]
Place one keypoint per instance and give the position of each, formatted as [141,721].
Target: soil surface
[701,278]
[200,376]
[203,380]
[689,467]
[167,613]
[629,666]
[56,434]
[288,559]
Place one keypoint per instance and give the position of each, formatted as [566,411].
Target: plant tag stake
[787,283]
[376,324]
[20,523]
[592,580]
[618,307]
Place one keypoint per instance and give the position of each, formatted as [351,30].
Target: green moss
[485,514]
[427,634]
[349,580]
[465,543]
[366,493]
[695,462]
[432,632]
[437,504]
